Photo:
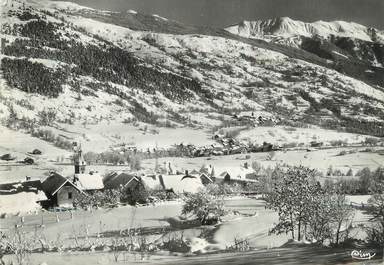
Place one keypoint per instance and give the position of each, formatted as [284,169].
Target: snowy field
[280,135]
[252,224]
[319,159]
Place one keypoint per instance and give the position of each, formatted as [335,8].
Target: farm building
[60,191]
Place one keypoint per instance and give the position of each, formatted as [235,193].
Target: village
[60,192]
[83,206]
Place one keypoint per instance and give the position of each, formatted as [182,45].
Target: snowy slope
[190,82]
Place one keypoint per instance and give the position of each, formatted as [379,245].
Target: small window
[69,195]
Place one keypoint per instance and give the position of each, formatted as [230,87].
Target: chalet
[60,191]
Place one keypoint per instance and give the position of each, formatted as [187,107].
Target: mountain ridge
[289,27]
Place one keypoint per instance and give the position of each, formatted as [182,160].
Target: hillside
[65,69]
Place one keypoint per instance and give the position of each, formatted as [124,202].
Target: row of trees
[365,183]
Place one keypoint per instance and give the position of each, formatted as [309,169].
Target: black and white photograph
[183,132]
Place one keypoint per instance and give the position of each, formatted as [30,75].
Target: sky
[222,13]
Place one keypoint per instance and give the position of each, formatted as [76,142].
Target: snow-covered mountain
[324,39]
[287,27]
[71,68]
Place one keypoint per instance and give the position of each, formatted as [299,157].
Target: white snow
[160,17]
[287,27]
[20,203]
[339,54]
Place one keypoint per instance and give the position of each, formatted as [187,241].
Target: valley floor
[318,159]
[251,223]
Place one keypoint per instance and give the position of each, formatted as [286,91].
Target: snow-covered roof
[89,181]
[41,196]
[54,182]
[180,183]
[120,180]
[22,202]
[151,181]
[236,173]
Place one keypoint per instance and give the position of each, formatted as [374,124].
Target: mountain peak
[288,27]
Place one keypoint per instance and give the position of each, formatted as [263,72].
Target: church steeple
[78,160]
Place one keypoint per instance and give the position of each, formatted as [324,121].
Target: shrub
[137,194]
[49,136]
[135,162]
[342,153]
[290,145]
[271,155]
[337,143]
[175,242]
[97,199]
[47,117]
[207,208]
[239,245]
[257,167]
[222,189]
[371,141]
